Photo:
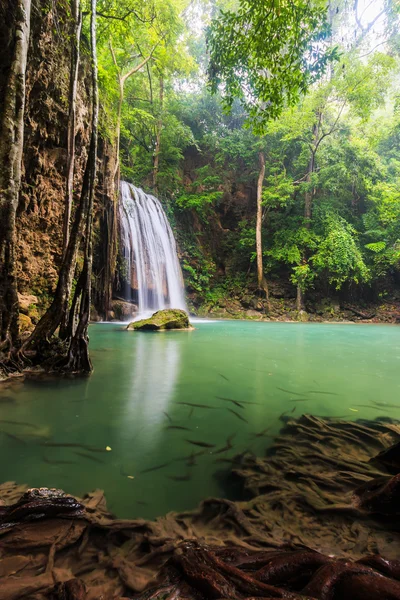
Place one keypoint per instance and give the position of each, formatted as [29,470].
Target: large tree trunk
[157,149]
[11,148]
[73,87]
[78,360]
[262,283]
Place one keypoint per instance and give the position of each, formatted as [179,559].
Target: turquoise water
[140,381]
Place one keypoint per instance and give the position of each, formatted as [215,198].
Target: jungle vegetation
[299,102]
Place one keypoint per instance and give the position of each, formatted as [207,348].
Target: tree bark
[157,149]
[261,281]
[78,360]
[73,87]
[308,199]
[299,299]
[11,148]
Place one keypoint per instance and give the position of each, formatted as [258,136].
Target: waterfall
[151,269]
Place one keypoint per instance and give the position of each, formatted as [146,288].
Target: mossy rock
[25,323]
[170,318]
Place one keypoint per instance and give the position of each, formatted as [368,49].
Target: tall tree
[267,55]
[159,125]
[122,78]
[57,313]
[11,148]
[262,283]
[76,27]
[78,360]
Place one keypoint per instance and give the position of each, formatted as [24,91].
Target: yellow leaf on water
[130,477]
[108,448]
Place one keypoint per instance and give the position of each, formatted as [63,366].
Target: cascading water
[152,268]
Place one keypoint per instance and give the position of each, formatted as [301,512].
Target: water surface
[139,387]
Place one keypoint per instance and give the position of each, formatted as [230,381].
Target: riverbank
[284,310]
[315,490]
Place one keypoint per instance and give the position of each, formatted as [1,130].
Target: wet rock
[171,318]
[94,315]
[246,301]
[123,311]
[252,314]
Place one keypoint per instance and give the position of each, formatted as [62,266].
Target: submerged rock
[170,318]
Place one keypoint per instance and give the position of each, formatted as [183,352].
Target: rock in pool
[170,318]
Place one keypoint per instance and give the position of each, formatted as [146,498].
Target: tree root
[277,544]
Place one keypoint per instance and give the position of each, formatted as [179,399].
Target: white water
[150,252]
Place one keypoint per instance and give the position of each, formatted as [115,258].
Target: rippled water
[138,390]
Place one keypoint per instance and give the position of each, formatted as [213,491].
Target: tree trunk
[118,132]
[121,81]
[262,283]
[309,193]
[308,200]
[158,137]
[11,148]
[78,360]
[73,86]
[299,299]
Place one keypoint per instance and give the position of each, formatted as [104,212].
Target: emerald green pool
[138,390]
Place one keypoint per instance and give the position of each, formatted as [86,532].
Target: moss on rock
[170,318]
[25,323]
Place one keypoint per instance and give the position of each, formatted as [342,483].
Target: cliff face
[42,198]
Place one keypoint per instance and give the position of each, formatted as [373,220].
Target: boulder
[28,305]
[171,318]
[123,311]
[26,301]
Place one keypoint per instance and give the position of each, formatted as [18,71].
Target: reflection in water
[268,368]
[154,376]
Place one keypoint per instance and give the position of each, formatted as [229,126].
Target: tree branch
[139,66]
[374,48]
[124,17]
[114,58]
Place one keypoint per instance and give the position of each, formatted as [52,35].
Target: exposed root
[277,544]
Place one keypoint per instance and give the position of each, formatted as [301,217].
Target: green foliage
[338,255]
[270,67]
[382,227]
[198,202]
[267,54]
